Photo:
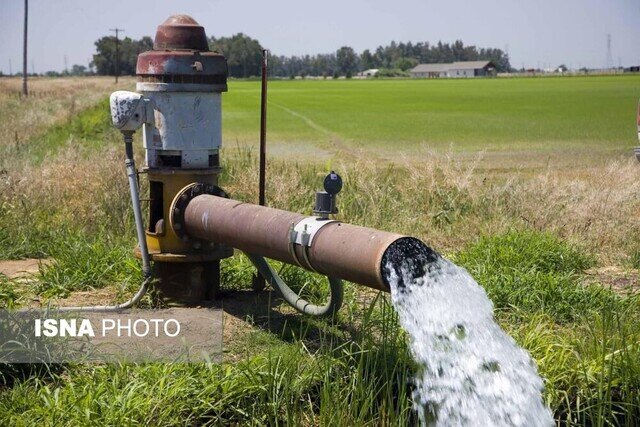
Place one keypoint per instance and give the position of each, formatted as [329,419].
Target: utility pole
[25,91]
[117,30]
[10,68]
[609,61]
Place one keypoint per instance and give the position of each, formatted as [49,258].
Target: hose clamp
[302,234]
[304,231]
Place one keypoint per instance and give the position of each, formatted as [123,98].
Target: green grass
[8,294]
[400,115]
[89,128]
[348,381]
[354,371]
[37,225]
[318,372]
[534,273]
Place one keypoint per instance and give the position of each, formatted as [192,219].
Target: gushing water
[472,372]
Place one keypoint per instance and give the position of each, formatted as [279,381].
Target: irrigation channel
[471,371]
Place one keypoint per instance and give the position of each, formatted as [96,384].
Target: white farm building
[454,69]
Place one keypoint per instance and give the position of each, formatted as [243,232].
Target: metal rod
[263,130]
[25,91]
[259,279]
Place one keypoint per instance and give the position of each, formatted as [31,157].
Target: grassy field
[543,114]
[546,220]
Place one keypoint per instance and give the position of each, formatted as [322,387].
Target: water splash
[472,372]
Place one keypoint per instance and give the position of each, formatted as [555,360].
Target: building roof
[430,68]
[470,65]
[458,65]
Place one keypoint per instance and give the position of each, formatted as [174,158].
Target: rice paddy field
[530,184]
[400,116]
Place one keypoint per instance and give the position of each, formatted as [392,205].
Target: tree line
[244,56]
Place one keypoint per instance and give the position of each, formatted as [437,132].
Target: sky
[535,33]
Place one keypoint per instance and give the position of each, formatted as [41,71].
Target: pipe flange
[179,206]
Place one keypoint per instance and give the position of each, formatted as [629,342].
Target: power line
[117,65]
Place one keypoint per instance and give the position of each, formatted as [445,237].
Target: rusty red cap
[180,32]
[181,56]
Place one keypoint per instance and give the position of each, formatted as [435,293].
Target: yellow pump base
[187,272]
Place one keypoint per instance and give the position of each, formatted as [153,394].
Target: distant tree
[562,68]
[105,56]
[389,72]
[368,60]
[78,70]
[244,54]
[405,63]
[347,60]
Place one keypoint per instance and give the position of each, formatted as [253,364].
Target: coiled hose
[296,301]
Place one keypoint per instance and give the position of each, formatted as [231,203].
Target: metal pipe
[349,252]
[137,210]
[142,241]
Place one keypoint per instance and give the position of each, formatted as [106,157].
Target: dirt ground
[619,279]
[21,268]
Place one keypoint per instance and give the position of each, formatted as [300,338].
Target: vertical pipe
[258,282]
[263,130]
[25,91]
[135,201]
[144,251]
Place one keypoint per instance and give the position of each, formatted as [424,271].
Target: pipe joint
[181,201]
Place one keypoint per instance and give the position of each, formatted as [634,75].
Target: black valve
[326,200]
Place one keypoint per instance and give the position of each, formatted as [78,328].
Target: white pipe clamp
[304,231]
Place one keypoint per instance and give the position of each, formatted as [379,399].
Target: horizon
[540,36]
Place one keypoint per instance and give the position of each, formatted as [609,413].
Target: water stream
[472,372]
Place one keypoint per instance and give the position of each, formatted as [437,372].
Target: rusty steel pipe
[350,252]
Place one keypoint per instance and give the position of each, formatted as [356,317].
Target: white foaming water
[472,372]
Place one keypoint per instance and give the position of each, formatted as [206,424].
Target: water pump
[192,222]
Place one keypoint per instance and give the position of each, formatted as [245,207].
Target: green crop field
[540,114]
[556,248]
